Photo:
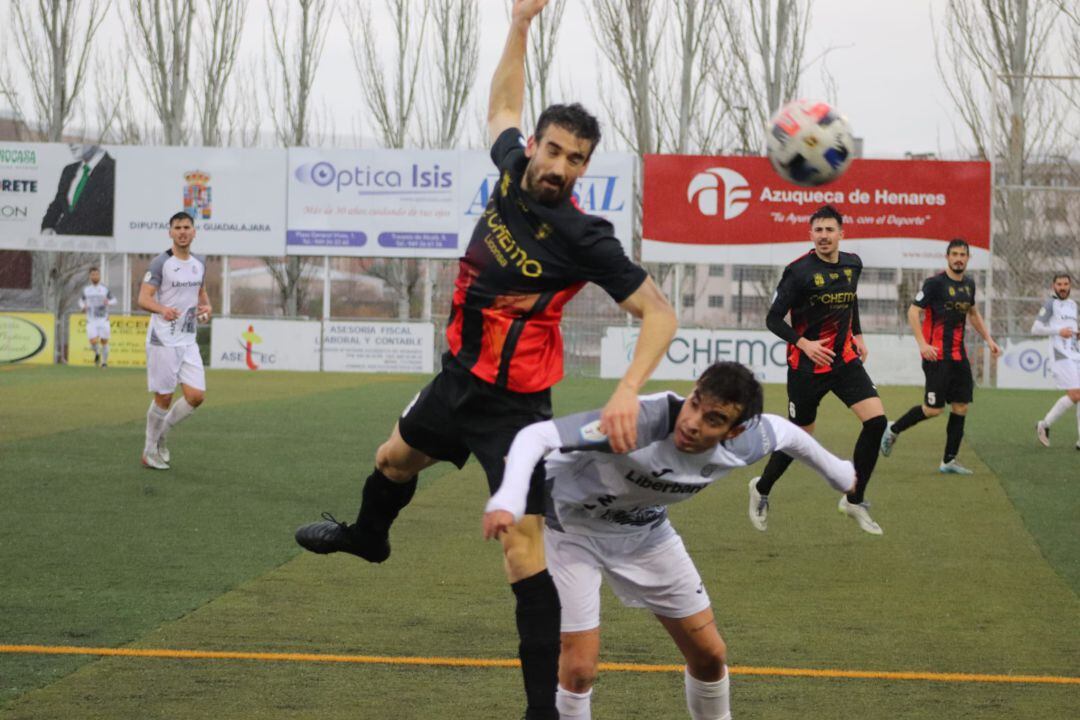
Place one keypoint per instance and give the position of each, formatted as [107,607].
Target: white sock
[1078,424]
[708,700]
[1063,404]
[573,706]
[180,411]
[104,353]
[155,420]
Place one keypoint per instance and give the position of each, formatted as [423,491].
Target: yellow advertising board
[27,338]
[127,344]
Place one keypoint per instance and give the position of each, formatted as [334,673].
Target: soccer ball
[809,142]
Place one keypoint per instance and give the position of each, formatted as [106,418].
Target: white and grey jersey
[593,491]
[95,300]
[178,283]
[1054,315]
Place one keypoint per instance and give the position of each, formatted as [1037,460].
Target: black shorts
[805,390]
[458,414]
[948,381]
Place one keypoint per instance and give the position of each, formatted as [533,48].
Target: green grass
[974,574]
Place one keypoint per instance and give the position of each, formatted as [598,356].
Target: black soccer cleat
[330,536]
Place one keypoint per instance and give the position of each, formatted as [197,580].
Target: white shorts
[168,365]
[98,329]
[650,570]
[1066,374]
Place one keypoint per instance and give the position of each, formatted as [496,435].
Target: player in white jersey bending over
[606,517]
[173,291]
[1057,318]
[95,300]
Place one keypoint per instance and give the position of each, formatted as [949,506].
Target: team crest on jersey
[819,279]
[591,433]
[708,470]
[952,291]
[847,274]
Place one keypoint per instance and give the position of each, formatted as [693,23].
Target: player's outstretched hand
[527,9]
[928,352]
[496,523]
[618,420]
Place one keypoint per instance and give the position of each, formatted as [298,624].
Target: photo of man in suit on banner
[84,196]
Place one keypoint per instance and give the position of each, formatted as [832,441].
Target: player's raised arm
[507,96]
[658,324]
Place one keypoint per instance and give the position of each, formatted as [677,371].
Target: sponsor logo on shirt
[591,433]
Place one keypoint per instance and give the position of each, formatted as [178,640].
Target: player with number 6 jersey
[173,292]
[825,355]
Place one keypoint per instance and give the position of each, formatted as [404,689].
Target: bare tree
[455,54]
[163,34]
[218,45]
[661,70]
[990,56]
[390,96]
[52,40]
[296,56]
[766,50]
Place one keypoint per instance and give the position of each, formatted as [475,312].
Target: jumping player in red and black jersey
[825,354]
[947,301]
[531,251]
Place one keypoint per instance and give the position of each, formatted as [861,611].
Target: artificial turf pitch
[973,575]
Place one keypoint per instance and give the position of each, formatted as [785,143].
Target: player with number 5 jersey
[173,292]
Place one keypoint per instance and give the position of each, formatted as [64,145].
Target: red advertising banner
[897,213]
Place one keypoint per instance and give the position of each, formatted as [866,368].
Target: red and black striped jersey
[524,262]
[824,306]
[946,303]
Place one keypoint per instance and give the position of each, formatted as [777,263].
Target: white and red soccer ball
[809,142]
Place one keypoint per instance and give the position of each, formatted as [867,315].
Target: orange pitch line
[486,663]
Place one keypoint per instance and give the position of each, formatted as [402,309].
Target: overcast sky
[880,52]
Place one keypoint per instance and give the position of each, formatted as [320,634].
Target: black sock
[383,500]
[911,417]
[954,433]
[776,466]
[866,454]
[538,616]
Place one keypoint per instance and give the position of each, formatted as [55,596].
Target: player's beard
[544,193]
[958,268]
[1063,294]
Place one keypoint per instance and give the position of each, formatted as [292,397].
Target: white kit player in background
[1058,319]
[173,292]
[607,517]
[95,300]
